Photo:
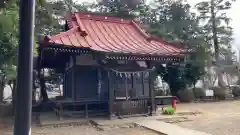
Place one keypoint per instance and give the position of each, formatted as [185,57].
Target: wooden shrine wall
[87,83]
[68,89]
[104,84]
[136,85]
[68,83]
[136,88]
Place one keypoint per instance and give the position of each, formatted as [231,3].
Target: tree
[193,72]
[8,43]
[173,21]
[47,17]
[213,12]
[119,8]
[173,75]
[51,15]
[9,39]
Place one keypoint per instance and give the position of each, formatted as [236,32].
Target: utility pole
[23,108]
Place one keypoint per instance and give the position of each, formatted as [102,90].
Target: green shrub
[236,91]
[169,111]
[186,95]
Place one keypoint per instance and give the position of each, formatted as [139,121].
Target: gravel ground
[86,130]
[219,118]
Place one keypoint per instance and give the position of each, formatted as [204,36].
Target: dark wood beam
[111,95]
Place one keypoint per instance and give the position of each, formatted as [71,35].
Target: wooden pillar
[43,90]
[126,87]
[74,75]
[111,95]
[64,85]
[73,83]
[152,93]
[99,82]
[34,88]
[143,83]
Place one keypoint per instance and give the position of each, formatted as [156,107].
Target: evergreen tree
[217,28]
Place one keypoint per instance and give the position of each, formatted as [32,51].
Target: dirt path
[219,118]
[86,130]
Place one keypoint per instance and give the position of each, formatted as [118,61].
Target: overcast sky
[233,13]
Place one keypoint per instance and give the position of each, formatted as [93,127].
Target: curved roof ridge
[81,26]
[92,16]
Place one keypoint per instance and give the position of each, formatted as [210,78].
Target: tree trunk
[216,45]
[173,90]
[194,88]
[34,94]
[35,74]
[14,89]
[43,90]
[2,84]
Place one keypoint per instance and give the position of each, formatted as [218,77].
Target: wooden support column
[152,93]
[74,80]
[43,91]
[126,88]
[111,95]
[64,85]
[73,83]
[99,82]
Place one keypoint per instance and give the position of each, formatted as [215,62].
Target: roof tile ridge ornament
[61,34]
[69,22]
[81,26]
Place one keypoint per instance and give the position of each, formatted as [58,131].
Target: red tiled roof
[110,34]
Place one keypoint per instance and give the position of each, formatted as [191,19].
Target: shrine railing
[131,106]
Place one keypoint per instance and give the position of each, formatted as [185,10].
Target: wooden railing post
[152,93]
[111,95]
